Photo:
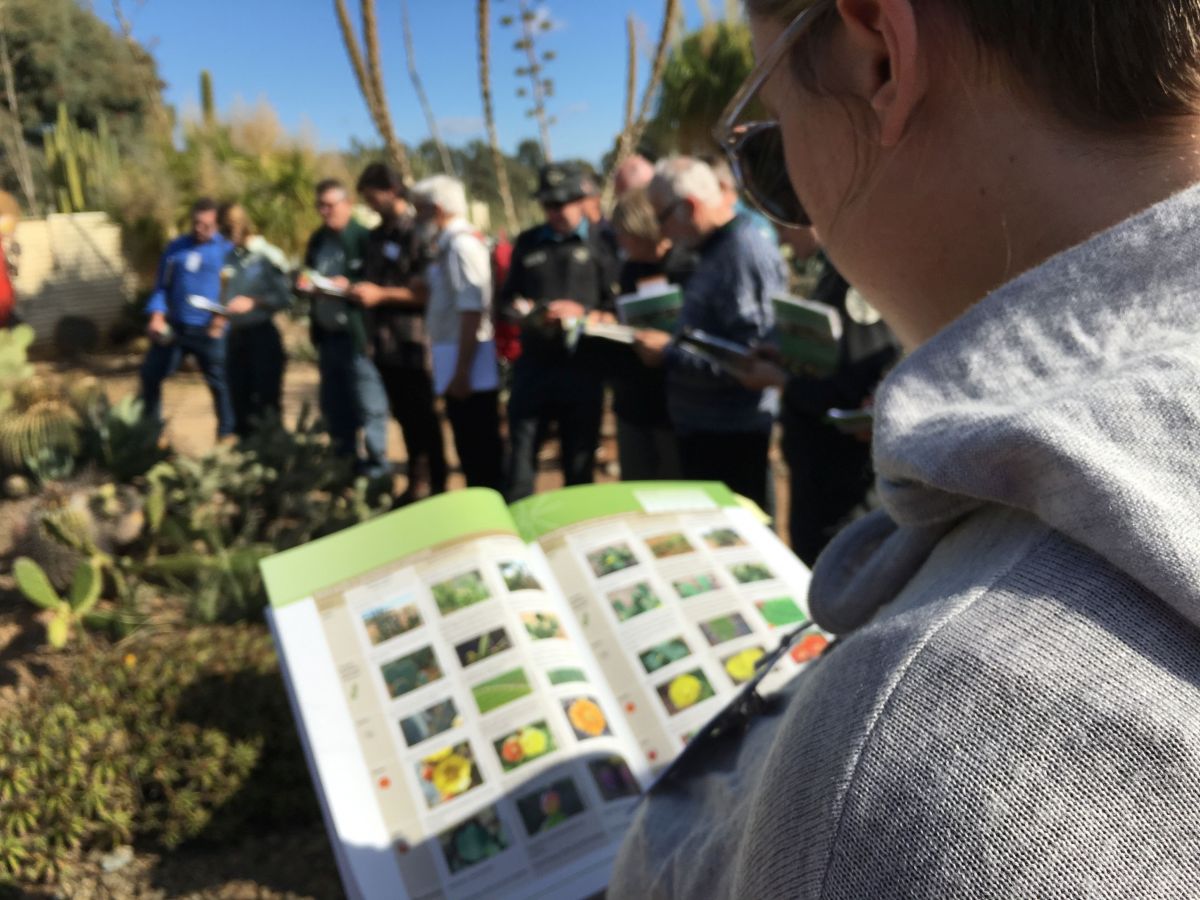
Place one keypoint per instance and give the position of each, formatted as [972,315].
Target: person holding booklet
[182,321]
[255,287]
[829,464]
[723,429]
[1010,708]
[646,444]
[459,321]
[352,395]
[393,293]
[561,270]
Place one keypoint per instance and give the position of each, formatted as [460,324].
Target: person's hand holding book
[650,345]
[763,370]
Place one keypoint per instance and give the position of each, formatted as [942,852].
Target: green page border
[303,571]
[541,514]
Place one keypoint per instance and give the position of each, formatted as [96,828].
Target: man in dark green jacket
[352,394]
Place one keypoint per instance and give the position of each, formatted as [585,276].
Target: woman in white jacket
[1013,706]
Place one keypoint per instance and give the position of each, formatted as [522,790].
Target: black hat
[559,184]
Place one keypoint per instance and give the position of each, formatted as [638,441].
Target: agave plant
[69,612]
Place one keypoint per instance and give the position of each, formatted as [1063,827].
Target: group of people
[408,311]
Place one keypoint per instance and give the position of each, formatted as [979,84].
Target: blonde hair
[633,215]
[234,222]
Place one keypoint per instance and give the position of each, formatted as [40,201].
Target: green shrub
[162,739]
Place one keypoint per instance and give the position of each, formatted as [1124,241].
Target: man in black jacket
[561,270]
[394,295]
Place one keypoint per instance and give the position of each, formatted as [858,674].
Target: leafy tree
[702,73]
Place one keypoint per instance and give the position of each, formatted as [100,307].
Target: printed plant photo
[685,691]
[742,666]
[607,560]
[613,778]
[721,538]
[633,601]
[781,611]
[411,672]
[430,722]
[460,592]
[566,675]
[748,573]
[664,654]
[448,773]
[586,718]
[518,577]
[695,585]
[724,628]
[667,545]
[549,807]
[501,690]
[478,839]
[809,648]
[391,620]
[524,745]
[481,647]
[543,625]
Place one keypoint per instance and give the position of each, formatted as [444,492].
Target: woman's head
[941,147]
[234,223]
[636,227]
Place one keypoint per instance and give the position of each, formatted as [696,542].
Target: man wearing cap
[394,294]
[561,270]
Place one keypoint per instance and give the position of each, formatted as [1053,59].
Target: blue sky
[290,53]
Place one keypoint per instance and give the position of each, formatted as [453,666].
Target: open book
[484,692]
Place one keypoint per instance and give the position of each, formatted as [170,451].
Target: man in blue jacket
[181,321]
[723,429]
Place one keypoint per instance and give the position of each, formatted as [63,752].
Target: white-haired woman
[1013,706]
[459,323]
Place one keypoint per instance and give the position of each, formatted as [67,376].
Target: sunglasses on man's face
[755,149]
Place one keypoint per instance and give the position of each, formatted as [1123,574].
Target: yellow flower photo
[685,691]
[448,773]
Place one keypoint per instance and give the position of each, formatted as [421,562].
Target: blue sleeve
[158,298]
[731,300]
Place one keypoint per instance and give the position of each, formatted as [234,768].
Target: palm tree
[702,73]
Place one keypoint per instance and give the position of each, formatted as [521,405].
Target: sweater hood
[1072,393]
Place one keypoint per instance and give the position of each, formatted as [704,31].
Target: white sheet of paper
[485,375]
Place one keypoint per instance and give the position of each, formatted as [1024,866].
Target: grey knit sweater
[1014,708]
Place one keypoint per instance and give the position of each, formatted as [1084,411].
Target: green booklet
[808,334]
[655,305]
[484,691]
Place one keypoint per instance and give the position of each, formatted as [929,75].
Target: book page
[491,753]
[680,591]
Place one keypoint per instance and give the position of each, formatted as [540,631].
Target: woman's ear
[886,54]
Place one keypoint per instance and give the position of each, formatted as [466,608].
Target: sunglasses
[755,149]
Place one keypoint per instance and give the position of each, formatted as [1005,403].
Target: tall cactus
[207,105]
[78,163]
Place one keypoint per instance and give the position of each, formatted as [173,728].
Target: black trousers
[568,394]
[254,364]
[475,421]
[410,395]
[740,460]
[831,478]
